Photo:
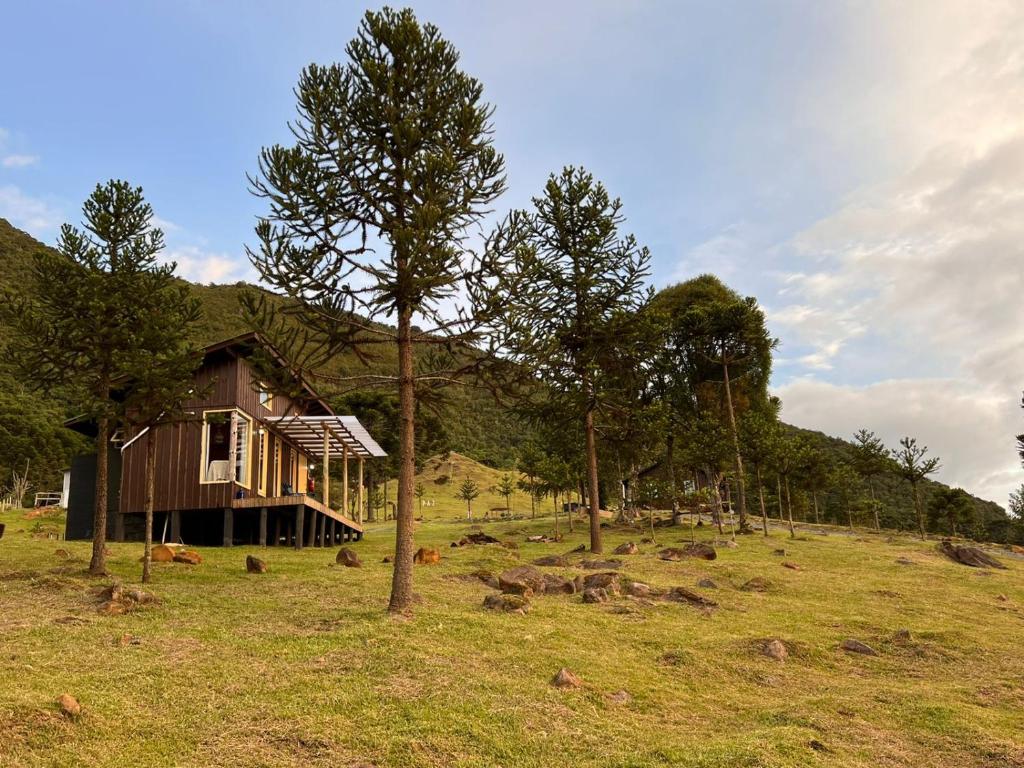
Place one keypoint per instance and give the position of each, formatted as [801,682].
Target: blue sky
[842,162]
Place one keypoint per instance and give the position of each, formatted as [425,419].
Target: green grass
[301,666]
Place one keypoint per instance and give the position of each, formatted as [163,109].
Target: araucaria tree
[870,459]
[570,301]
[913,465]
[468,491]
[505,487]
[78,329]
[369,210]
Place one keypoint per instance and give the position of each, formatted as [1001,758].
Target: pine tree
[468,491]
[570,302]
[914,466]
[760,435]
[78,328]
[870,459]
[392,163]
[505,488]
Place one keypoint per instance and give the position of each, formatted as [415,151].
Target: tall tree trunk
[789,510]
[920,511]
[717,496]
[98,563]
[817,517]
[555,496]
[147,551]
[741,493]
[401,581]
[568,501]
[670,444]
[778,497]
[533,499]
[593,495]
[874,504]
[760,496]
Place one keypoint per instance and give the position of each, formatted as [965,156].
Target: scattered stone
[161,553]
[507,603]
[566,679]
[188,556]
[728,543]
[629,548]
[595,595]
[972,556]
[427,556]
[638,589]
[775,649]
[255,565]
[112,608]
[129,639]
[62,554]
[905,561]
[559,561]
[700,551]
[522,580]
[540,539]
[756,584]
[487,578]
[707,583]
[388,559]
[138,596]
[685,595]
[597,565]
[619,697]
[577,550]
[607,581]
[646,540]
[779,552]
[348,558]
[554,585]
[1002,598]
[479,538]
[69,706]
[791,566]
[902,636]
[510,544]
[856,646]
[817,746]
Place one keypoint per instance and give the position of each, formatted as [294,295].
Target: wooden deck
[257,502]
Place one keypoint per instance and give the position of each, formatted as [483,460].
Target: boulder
[137,596]
[598,565]
[791,566]
[685,595]
[559,561]
[427,556]
[965,555]
[348,558]
[254,565]
[700,551]
[487,578]
[69,706]
[775,649]
[577,550]
[188,556]
[638,589]
[856,646]
[902,636]
[608,581]
[595,595]
[566,679]
[507,603]
[112,608]
[629,548]
[480,538]
[756,584]
[555,585]
[522,580]
[161,553]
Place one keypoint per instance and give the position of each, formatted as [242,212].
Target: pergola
[331,437]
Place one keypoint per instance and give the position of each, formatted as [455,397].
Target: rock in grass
[69,706]
[254,565]
[619,697]
[775,649]
[856,646]
[522,580]
[608,581]
[554,585]
[348,558]
[188,556]
[161,553]
[566,679]
[62,554]
[507,603]
[905,561]
[902,636]
[487,578]
[780,552]
[638,589]
[699,551]
[791,566]
[577,550]
[629,548]
[599,565]
[756,584]
[707,583]
[427,556]
[685,595]
[972,556]
[558,561]
[595,595]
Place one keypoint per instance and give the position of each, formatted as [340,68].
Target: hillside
[301,666]
[441,477]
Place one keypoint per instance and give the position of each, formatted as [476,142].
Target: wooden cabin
[245,467]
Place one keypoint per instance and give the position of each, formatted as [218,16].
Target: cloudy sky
[859,167]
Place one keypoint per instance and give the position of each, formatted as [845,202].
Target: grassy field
[301,666]
[441,479]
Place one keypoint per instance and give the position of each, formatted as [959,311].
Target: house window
[266,397]
[227,436]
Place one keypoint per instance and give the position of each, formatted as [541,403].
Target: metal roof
[308,433]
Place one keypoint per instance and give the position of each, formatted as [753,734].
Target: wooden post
[359,514]
[277,528]
[300,514]
[118,526]
[344,480]
[323,531]
[263,526]
[175,527]
[330,535]
[326,493]
[229,526]
[311,530]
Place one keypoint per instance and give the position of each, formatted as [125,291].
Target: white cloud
[19,161]
[32,214]
[202,266]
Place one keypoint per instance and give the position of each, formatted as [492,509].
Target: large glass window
[227,436]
